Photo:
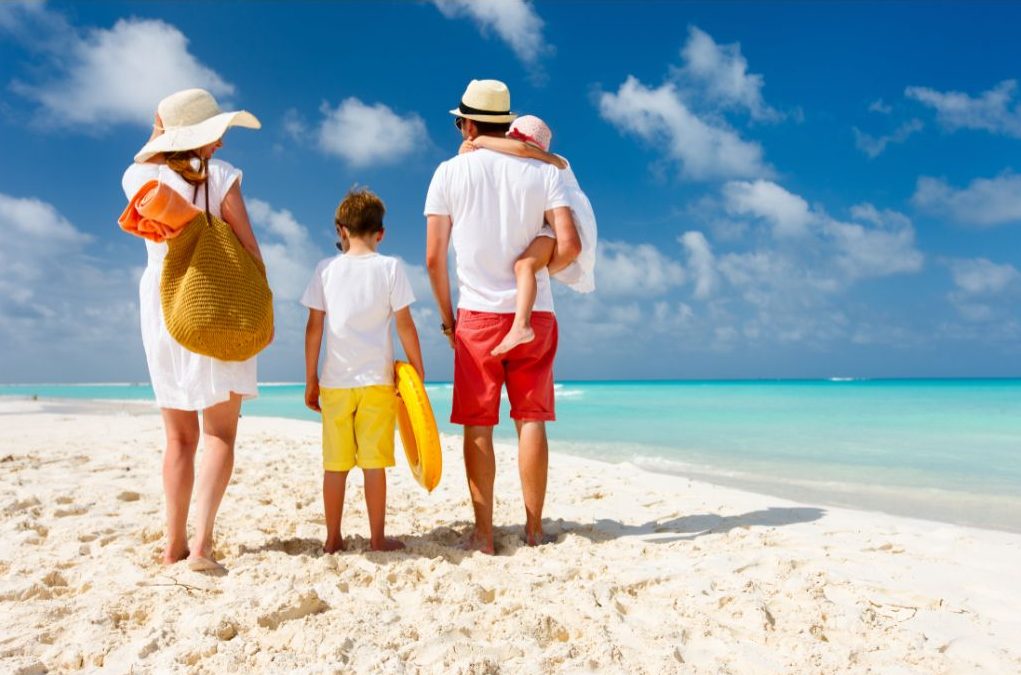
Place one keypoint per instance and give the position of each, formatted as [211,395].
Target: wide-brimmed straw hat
[485,101]
[192,119]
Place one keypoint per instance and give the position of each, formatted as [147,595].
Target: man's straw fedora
[485,101]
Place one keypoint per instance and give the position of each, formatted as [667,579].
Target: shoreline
[649,572]
[958,508]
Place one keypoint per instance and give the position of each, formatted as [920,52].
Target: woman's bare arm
[236,215]
[512,146]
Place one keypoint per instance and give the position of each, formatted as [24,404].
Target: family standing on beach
[514,214]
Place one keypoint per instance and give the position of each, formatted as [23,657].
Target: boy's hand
[312,396]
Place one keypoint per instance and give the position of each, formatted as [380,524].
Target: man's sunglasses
[458,121]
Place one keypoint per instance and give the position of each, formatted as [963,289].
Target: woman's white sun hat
[192,119]
[485,101]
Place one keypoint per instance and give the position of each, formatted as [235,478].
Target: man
[491,206]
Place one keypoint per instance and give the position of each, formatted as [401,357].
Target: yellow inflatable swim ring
[417,425]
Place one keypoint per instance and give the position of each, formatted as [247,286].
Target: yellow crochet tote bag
[215,296]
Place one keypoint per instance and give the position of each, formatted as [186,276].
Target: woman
[187,132]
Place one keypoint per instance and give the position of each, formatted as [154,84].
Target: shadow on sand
[442,542]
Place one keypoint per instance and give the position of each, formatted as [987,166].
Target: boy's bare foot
[517,335]
[333,546]
[387,544]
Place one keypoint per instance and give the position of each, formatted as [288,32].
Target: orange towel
[157,212]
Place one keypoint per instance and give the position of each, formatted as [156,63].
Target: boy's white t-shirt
[359,294]
[496,203]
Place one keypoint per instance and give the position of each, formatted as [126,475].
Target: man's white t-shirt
[359,294]
[496,203]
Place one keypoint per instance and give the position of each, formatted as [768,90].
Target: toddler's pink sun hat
[531,129]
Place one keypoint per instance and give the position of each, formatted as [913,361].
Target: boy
[355,297]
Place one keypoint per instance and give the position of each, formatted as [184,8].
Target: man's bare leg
[480,467]
[536,257]
[533,467]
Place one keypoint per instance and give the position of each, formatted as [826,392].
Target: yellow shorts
[358,427]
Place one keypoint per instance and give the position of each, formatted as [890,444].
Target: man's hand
[312,396]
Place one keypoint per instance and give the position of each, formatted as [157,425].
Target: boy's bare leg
[536,256]
[375,503]
[533,468]
[182,431]
[334,487]
[219,428]
[480,467]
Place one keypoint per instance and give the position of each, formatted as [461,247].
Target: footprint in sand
[129,496]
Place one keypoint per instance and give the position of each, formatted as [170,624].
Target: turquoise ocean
[946,450]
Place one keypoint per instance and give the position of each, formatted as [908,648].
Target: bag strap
[195,193]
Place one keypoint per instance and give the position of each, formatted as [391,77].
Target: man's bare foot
[474,542]
[517,335]
[387,544]
[537,538]
[333,546]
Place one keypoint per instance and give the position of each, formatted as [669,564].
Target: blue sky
[783,190]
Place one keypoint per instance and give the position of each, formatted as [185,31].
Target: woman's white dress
[181,379]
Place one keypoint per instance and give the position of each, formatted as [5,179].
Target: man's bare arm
[437,241]
[568,241]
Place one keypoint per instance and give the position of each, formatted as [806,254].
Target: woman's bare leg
[536,256]
[182,431]
[219,427]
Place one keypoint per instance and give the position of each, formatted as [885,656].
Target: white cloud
[636,269]
[986,202]
[985,292]
[366,135]
[878,106]
[887,248]
[701,262]
[873,146]
[979,276]
[514,21]
[721,73]
[118,75]
[993,110]
[787,212]
[705,151]
[59,305]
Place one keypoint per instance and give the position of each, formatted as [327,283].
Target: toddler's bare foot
[387,544]
[333,546]
[517,335]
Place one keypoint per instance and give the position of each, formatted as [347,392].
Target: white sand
[650,573]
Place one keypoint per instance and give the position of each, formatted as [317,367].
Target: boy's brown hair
[361,213]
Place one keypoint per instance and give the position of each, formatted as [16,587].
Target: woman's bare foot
[332,546]
[171,556]
[387,544]
[517,335]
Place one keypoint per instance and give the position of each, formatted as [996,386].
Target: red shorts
[527,369]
